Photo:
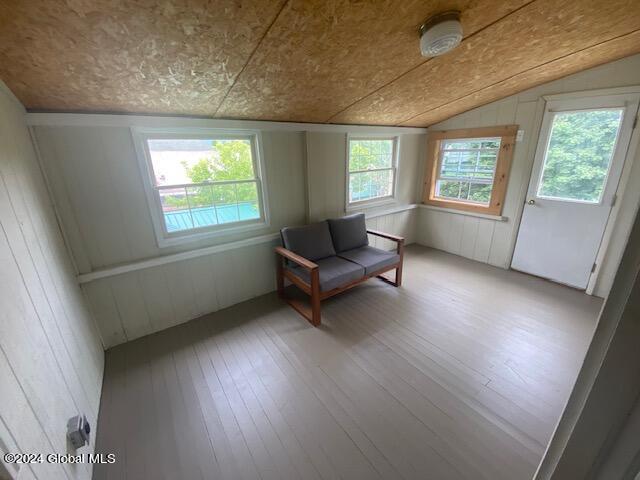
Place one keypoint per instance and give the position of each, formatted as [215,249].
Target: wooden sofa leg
[400,250]
[280,277]
[315,298]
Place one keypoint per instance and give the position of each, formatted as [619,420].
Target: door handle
[531,202]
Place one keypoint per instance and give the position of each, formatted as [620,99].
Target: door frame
[628,161]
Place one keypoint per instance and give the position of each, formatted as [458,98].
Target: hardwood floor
[459,374]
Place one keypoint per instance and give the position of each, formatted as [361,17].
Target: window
[371,169]
[468,169]
[202,183]
[579,154]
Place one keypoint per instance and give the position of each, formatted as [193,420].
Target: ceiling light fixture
[440,34]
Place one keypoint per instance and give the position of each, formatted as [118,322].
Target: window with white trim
[202,183]
[371,169]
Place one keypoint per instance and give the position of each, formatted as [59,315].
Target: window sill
[496,218]
[368,204]
[202,235]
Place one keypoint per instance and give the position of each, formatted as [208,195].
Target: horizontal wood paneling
[492,241]
[141,302]
[51,356]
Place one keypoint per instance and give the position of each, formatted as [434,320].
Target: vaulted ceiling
[336,61]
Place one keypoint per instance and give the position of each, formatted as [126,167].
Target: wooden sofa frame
[312,313]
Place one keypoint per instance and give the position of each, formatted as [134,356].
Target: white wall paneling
[151,298]
[493,241]
[51,356]
[136,288]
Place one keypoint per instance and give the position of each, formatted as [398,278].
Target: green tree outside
[579,154]
[229,160]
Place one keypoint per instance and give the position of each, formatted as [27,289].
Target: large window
[468,169]
[202,184]
[371,169]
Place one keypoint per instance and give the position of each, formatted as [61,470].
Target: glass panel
[175,207]
[368,185]
[248,201]
[472,144]
[226,205]
[184,161]
[464,191]
[370,154]
[467,169]
[201,203]
[579,153]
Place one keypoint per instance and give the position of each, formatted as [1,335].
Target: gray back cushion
[312,242]
[349,232]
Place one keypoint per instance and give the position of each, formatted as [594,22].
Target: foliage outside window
[205,183]
[468,169]
[371,169]
[579,154]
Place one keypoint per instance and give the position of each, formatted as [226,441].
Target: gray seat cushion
[334,272]
[349,232]
[312,242]
[371,258]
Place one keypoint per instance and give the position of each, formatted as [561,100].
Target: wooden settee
[329,257]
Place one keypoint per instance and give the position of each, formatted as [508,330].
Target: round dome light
[440,34]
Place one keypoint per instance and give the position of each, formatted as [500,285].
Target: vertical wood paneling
[493,241]
[51,356]
[469,236]
[141,302]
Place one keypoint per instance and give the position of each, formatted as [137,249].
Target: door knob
[531,202]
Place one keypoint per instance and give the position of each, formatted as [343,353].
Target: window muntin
[205,183]
[371,169]
[466,170]
[579,154]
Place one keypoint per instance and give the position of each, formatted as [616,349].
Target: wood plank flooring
[460,374]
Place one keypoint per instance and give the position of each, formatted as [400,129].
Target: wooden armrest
[388,236]
[303,262]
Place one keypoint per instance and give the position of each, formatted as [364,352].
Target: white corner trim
[154,121]
[175,257]
[496,218]
[11,96]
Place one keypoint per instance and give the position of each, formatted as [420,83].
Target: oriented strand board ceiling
[338,61]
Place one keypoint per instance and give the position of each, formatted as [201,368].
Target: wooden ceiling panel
[591,57]
[537,34]
[128,56]
[322,55]
[338,61]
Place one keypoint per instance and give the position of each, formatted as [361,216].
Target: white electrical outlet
[519,135]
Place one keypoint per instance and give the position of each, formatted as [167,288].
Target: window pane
[464,191]
[175,208]
[248,201]
[467,169]
[226,204]
[184,161]
[580,149]
[201,203]
[368,185]
[370,154]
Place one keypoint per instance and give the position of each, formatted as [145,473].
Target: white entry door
[579,159]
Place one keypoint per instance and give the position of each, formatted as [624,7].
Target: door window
[579,153]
